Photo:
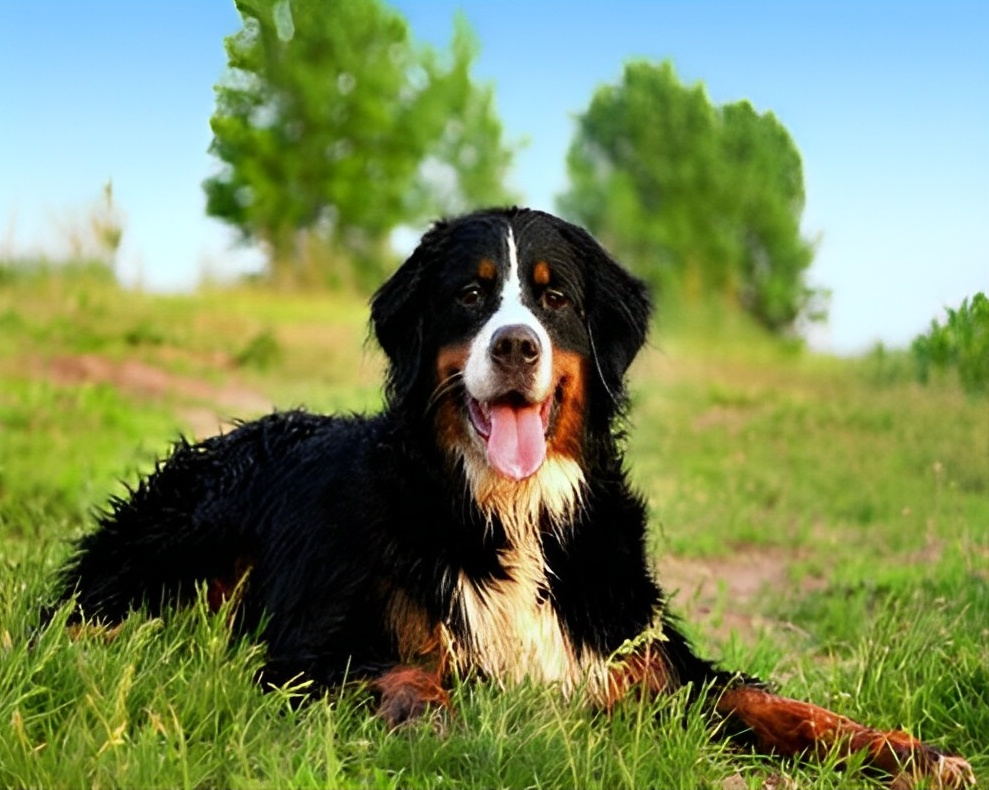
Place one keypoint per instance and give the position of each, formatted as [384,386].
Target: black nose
[515,347]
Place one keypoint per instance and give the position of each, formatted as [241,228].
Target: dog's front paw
[940,771]
[951,772]
[955,771]
[406,693]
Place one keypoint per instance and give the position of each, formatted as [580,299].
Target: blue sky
[888,102]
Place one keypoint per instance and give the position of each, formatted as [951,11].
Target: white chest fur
[513,631]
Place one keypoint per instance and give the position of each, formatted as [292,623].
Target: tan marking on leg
[228,587]
[646,672]
[418,640]
[90,630]
[409,626]
[789,727]
[406,693]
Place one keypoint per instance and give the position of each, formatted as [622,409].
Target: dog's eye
[554,300]
[470,295]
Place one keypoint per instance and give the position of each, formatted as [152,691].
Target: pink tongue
[516,445]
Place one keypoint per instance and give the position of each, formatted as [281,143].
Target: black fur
[334,513]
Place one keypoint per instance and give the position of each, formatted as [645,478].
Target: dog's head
[510,331]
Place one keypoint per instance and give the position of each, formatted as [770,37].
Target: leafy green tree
[696,198]
[333,128]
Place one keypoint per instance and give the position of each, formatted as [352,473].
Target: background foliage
[333,127]
[698,199]
[960,344]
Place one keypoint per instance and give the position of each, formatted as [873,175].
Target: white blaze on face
[506,465]
[480,376]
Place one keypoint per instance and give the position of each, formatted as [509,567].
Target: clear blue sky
[888,102]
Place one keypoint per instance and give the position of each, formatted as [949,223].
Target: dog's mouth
[514,431]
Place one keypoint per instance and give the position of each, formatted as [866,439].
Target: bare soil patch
[731,419]
[722,593]
[206,406]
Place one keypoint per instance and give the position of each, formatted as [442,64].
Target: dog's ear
[616,311]
[397,316]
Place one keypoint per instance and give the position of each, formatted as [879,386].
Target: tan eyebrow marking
[486,269]
[540,273]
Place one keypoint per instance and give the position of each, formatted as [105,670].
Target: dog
[481,525]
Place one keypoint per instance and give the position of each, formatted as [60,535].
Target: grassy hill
[824,524]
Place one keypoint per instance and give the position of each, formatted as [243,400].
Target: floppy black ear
[616,311]
[397,315]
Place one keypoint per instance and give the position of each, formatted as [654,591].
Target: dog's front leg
[645,671]
[406,692]
[789,727]
[779,725]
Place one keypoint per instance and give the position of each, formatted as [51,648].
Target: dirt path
[722,593]
[203,406]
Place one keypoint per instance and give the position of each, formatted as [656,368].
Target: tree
[697,198]
[333,128]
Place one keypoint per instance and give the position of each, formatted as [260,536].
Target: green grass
[840,517]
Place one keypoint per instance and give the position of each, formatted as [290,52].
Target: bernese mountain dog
[481,525]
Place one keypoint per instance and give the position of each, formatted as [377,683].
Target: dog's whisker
[446,386]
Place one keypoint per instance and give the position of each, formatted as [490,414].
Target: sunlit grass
[868,493]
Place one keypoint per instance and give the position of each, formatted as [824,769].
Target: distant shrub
[144,333]
[11,319]
[887,366]
[261,352]
[33,271]
[960,344]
